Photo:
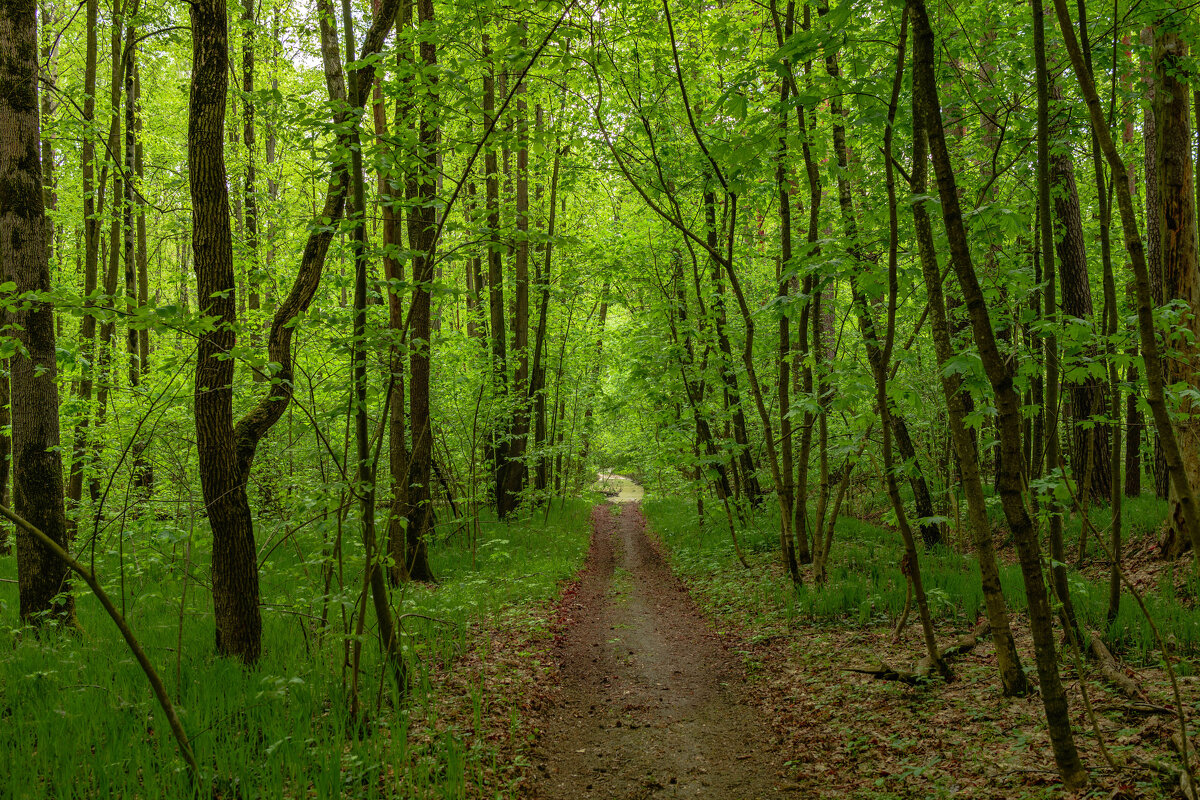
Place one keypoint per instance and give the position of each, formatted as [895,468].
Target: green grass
[77,719]
[865,586]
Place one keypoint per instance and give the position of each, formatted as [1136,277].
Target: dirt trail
[650,702]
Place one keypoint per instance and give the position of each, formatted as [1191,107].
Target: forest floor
[650,701]
[662,683]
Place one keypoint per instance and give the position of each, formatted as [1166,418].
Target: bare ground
[652,704]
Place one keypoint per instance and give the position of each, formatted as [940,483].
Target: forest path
[650,703]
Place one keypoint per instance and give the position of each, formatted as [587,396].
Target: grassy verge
[78,720]
[865,587]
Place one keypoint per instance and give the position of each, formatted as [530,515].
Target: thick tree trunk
[1155,395]
[226,453]
[1180,271]
[43,585]
[235,558]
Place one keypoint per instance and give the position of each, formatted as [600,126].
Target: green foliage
[80,721]
[865,587]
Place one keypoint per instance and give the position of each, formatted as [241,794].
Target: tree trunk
[1008,404]
[1088,396]
[235,558]
[519,429]
[422,224]
[43,585]
[729,380]
[91,235]
[226,452]
[537,388]
[249,185]
[1180,271]
[930,533]
[1012,676]
[1154,261]
[495,259]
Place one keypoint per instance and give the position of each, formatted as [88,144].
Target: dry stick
[1162,645]
[160,691]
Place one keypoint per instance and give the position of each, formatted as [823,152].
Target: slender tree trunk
[729,380]
[1154,259]
[250,183]
[495,259]
[1050,317]
[519,428]
[787,500]
[1012,676]
[537,388]
[365,472]
[930,532]
[1012,495]
[91,234]
[393,273]
[422,224]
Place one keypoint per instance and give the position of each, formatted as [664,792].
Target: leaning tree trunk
[1012,676]
[1008,404]
[42,582]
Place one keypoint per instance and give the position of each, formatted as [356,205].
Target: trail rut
[650,704]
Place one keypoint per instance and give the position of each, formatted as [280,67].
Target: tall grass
[865,586]
[77,719]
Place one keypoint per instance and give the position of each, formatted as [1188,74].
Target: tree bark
[226,452]
[422,225]
[43,584]
[1088,396]
[1008,406]
[1180,270]
[1012,676]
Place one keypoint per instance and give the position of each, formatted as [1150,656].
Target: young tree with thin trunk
[927,115]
